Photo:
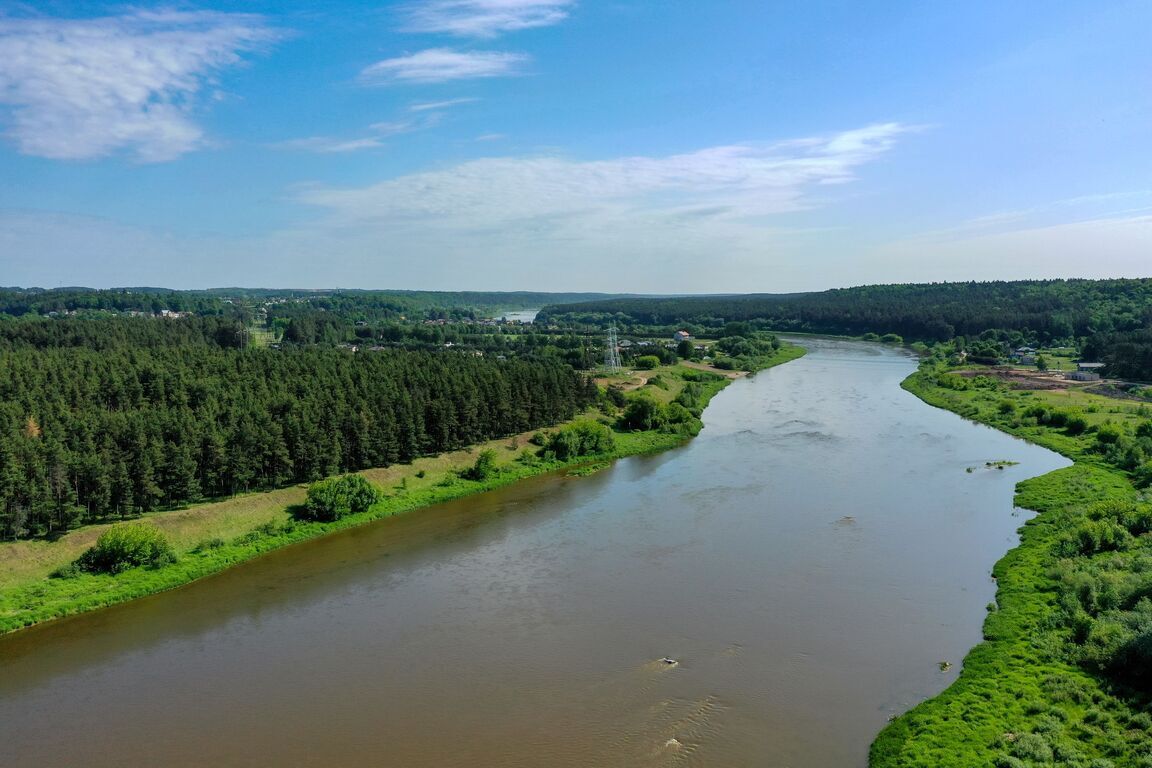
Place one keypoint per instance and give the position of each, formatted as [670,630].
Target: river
[809,560]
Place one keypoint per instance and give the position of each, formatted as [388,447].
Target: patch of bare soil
[1023,378]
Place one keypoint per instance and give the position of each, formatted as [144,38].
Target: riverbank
[1036,691]
[214,537]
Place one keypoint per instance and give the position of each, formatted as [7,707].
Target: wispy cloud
[329,145]
[86,88]
[1048,214]
[438,65]
[380,131]
[447,103]
[732,182]
[483,18]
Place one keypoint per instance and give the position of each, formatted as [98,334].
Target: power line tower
[612,350]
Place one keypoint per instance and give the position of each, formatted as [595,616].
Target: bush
[69,571]
[209,544]
[484,467]
[1075,424]
[1034,747]
[128,546]
[646,362]
[1142,475]
[1108,433]
[643,413]
[584,438]
[339,497]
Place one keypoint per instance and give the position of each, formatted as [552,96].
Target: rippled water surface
[809,559]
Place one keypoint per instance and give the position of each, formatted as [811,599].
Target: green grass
[213,537]
[1021,699]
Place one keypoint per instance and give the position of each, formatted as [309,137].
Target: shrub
[1032,746]
[646,362]
[584,438]
[339,497]
[1108,433]
[484,467]
[127,546]
[1142,475]
[643,412]
[209,544]
[69,571]
[1075,424]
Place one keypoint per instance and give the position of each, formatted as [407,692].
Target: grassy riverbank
[212,537]
[1056,681]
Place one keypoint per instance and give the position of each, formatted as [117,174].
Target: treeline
[1126,355]
[282,304]
[86,435]
[1113,316]
[1051,309]
[371,306]
[39,301]
[102,333]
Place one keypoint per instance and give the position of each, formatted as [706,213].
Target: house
[681,336]
[1082,376]
[1089,367]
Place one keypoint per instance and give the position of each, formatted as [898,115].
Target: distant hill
[1047,309]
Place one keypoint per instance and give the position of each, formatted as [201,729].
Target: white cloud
[484,18]
[629,224]
[380,131]
[329,144]
[438,65]
[437,105]
[736,181]
[1093,207]
[86,88]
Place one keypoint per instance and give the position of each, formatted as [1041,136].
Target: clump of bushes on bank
[584,438]
[338,497]
[645,413]
[121,547]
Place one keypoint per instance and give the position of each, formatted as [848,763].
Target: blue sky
[610,145]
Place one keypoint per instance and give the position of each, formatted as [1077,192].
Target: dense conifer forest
[1110,319]
[107,413]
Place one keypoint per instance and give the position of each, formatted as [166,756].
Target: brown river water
[809,560]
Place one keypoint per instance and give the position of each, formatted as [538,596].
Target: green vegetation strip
[1059,679]
[41,600]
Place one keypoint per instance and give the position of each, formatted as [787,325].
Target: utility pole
[612,350]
